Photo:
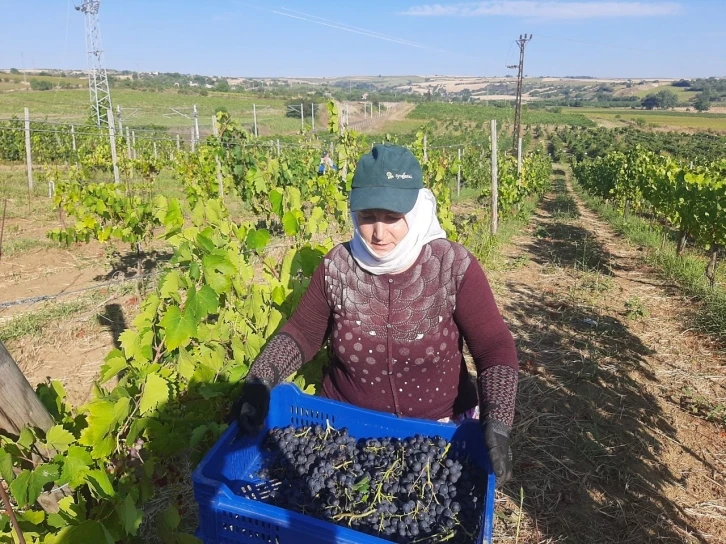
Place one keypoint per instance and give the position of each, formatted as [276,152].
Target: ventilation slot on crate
[247,529]
[302,417]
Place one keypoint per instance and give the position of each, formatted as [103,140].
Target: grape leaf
[6,466]
[174,218]
[58,438]
[290,224]
[218,271]
[28,486]
[101,420]
[76,464]
[130,515]
[185,364]
[170,285]
[115,363]
[156,391]
[208,300]
[179,328]
[99,483]
[36,517]
[257,238]
[84,533]
[276,202]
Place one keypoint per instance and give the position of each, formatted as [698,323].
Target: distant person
[326,163]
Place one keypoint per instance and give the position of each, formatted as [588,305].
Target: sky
[337,38]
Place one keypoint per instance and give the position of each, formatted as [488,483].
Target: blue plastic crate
[227,518]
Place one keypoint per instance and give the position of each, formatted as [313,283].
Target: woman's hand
[496,439]
[251,408]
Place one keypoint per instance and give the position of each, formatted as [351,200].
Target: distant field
[146,108]
[674,119]
[684,95]
[477,113]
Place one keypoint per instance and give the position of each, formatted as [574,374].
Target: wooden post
[28,155]
[458,176]
[112,140]
[73,137]
[254,115]
[495,188]
[519,160]
[19,405]
[312,112]
[220,183]
[426,152]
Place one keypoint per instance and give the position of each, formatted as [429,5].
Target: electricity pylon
[97,77]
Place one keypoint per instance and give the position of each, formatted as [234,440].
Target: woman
[397,302]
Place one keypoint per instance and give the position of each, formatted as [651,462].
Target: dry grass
[602,452]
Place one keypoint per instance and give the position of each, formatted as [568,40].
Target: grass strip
[686,271]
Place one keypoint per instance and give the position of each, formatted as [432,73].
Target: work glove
[496,440]
[252,407]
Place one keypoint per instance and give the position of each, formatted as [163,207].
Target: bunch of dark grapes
[403,490]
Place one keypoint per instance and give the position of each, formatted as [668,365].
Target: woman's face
[382,230]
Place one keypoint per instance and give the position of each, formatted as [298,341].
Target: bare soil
[607,445]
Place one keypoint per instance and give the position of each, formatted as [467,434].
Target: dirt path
[608,448]
[376,124]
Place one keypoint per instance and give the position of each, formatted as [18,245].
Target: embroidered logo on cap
[389,175]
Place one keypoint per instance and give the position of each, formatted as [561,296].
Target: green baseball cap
[387,178]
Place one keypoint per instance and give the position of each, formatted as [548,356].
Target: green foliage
[689,196]
[481,113]
[40,85]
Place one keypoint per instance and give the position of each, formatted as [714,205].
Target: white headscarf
[423,226]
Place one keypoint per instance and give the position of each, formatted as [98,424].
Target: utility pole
[522,43]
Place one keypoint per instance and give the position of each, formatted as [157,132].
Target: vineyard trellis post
[426,152]
[120,123]
[196,123]
[278,147]
[192,140]
[73,137]
[112,141]
[133,144]
[128,143]
[156,155]
[495,187]
[519,161]
[302,117]
[28,154]
[178,142]
[458,176]
[215,133]
[21,406]
[254,115]
[312,113]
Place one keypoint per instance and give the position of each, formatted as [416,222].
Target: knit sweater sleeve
[490,343]
[300,338]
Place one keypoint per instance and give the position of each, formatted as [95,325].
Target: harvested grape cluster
[404,490]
